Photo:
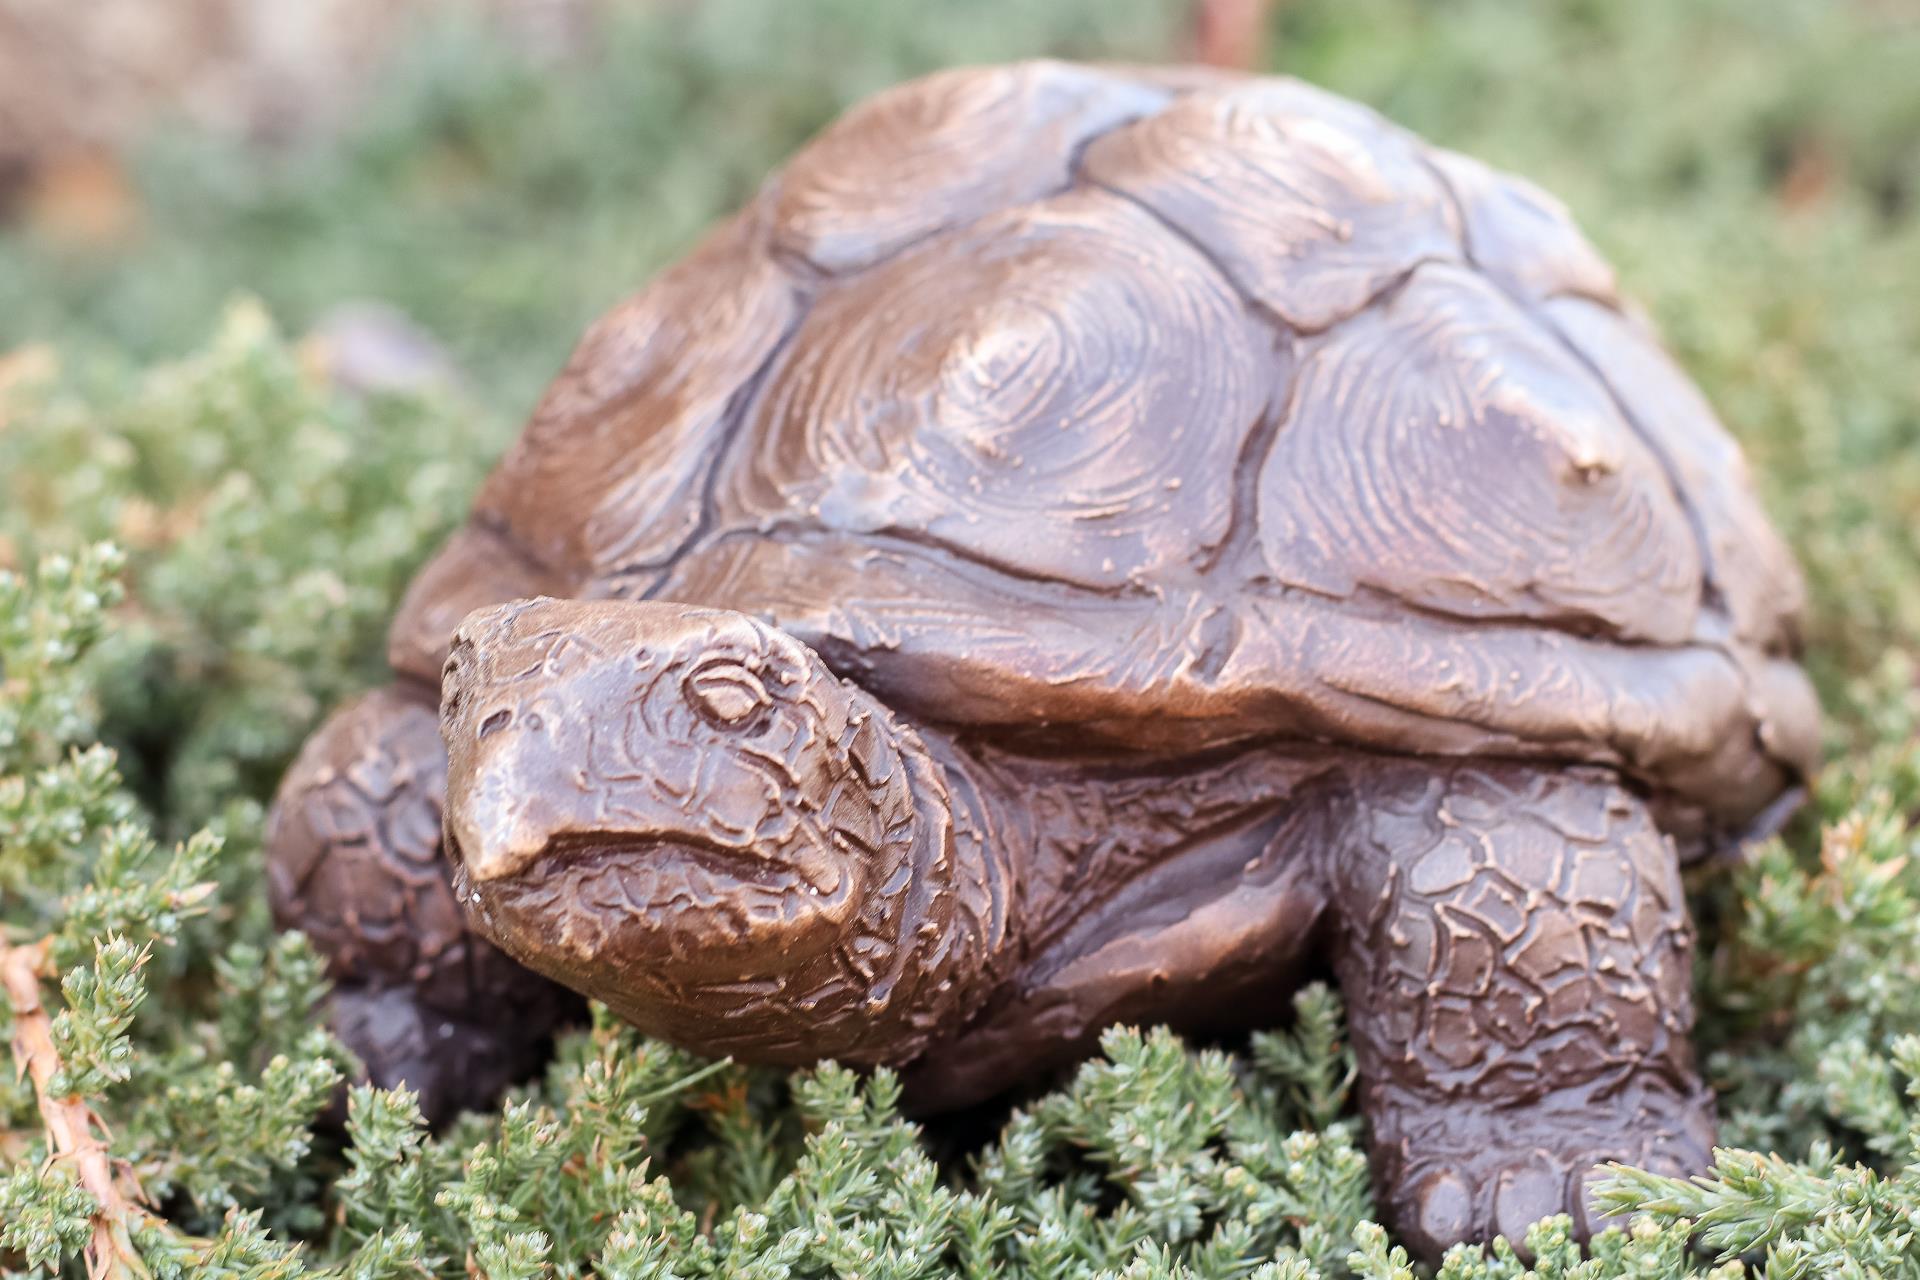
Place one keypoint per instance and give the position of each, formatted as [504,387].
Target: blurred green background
[1753,166]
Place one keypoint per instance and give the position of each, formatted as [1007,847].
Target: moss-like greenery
[198,557]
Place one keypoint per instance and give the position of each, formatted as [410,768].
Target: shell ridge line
[1260,309]
[732,426]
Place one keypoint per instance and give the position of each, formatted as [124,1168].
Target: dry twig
[74,1132]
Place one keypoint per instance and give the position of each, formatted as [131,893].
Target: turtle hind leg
[1515,952]
[354,861]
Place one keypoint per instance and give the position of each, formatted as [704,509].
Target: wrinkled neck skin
[953,916]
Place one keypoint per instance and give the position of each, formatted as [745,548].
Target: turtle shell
[1148,410]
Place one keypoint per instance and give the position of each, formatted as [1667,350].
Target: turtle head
[683,813]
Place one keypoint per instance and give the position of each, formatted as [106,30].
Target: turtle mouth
[685,908]
[572,852]
[577,848]
[575,853]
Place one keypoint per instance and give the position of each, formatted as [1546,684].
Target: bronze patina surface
[1091,544]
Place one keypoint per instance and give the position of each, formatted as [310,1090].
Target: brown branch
[1230,33]
[73,1130]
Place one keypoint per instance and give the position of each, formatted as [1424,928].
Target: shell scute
[1749,568]
[610,469]
[1046,389]
[1522,237]
[1311,204]
[940,151]
[1444,450]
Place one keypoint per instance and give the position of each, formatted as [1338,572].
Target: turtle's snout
[499,828]
[514,738]
[511,788]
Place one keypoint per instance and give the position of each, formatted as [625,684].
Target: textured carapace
[1188,411]
[1090,544]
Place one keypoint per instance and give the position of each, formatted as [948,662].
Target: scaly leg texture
[354,860]
[1515,952]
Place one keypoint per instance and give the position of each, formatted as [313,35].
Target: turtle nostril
[495,722]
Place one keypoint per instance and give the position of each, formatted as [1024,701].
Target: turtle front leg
[1514,947]
[354,860]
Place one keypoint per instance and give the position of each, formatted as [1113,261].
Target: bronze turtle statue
[1089,545]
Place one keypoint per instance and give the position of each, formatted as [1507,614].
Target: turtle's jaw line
[646,852]
[515,859]
[649,856]
[626,916]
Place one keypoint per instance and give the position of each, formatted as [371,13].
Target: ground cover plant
[200,543]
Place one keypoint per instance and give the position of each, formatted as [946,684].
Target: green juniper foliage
[269,528]
[198,558]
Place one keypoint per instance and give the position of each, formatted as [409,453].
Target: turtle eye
[727,695]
